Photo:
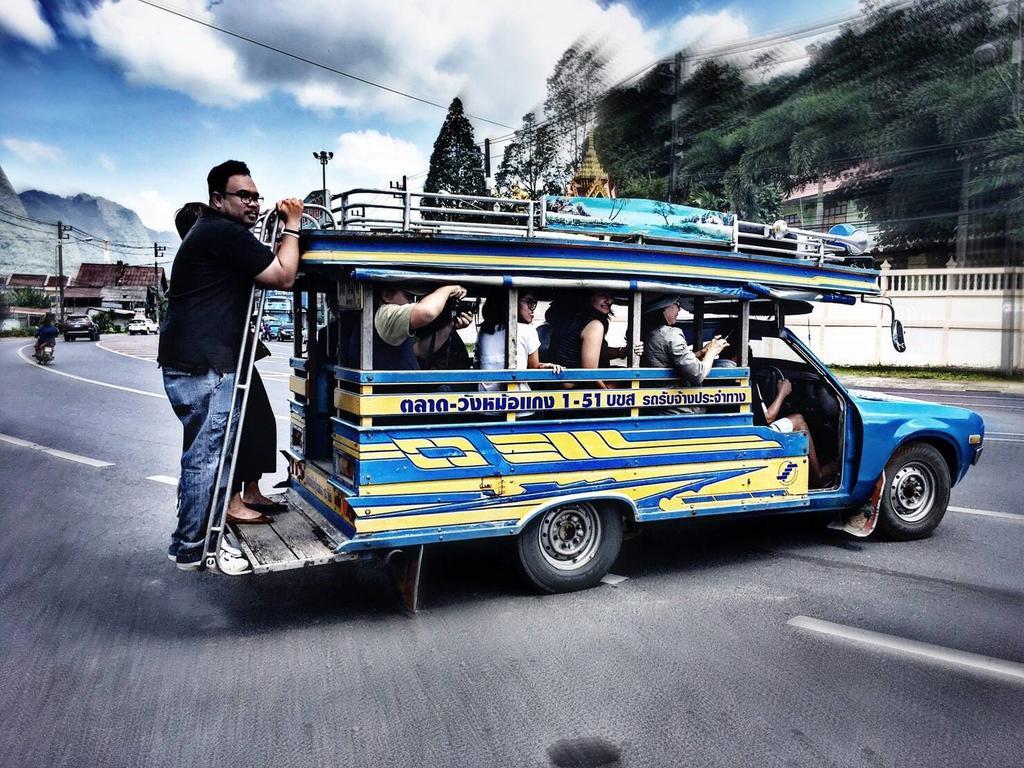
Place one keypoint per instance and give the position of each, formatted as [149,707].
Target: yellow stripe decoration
[531,261]
[298,385]
[570,399]
[610,444]
[788,475]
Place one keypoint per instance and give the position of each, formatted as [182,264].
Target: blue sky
[130,102]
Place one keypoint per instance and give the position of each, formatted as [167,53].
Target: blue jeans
[201,402]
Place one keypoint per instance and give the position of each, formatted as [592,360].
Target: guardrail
[952,280]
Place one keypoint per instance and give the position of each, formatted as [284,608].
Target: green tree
[529,160]
[574,91]
[632,134]
[28,297]
[456,164]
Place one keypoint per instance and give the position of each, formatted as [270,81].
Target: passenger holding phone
[666,347]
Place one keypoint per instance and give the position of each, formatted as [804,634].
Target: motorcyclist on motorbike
[46,334]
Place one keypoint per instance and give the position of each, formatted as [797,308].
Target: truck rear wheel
[570,547]
[916,493]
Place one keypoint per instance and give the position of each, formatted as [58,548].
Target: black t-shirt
[211,282]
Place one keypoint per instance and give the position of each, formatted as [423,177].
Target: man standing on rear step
[211,281]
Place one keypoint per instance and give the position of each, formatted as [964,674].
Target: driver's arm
[772,412]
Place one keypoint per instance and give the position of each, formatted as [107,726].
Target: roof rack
[440,213]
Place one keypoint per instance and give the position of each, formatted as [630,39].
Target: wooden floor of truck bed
[297,538]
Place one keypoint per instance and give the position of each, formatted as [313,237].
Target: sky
[128,101]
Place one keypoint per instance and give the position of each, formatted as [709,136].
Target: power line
[313,63]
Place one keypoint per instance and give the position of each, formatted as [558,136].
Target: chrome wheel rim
[569,536]
[912,492]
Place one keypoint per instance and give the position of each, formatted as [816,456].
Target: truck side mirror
[896,330]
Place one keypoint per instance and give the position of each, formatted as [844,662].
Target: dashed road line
[1009,670]
[987,513]
[49,369]
[97,463]
[165,479]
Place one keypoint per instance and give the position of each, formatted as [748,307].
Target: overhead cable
[311,62]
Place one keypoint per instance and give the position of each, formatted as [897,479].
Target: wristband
[290,233]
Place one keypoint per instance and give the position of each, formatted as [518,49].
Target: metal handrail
[515,217]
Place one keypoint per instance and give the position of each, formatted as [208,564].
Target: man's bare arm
[281,271]
[426,310]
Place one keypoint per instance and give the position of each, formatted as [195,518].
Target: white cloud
[372,159]
[153,209]
[495,54]
[107,162]
[156,48]
[32,151]
[705,30]
[24,19]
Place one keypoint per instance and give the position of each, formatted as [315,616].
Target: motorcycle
[44,356]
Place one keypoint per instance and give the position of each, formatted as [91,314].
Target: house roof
[26,280]
[80,292]
[120,274]
[124,293]
[811,190]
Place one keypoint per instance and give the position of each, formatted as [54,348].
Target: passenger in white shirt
[490,343]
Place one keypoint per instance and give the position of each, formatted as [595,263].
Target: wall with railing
[952,317]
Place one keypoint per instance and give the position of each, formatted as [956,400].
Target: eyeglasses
[246,196]
[530,302]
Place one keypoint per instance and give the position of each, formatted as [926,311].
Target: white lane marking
[165,479]
[1008,669]
[54,452]
[49,369]
[987,513]
[125,354]
[613,579]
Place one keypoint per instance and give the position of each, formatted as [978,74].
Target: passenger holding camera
[397,345]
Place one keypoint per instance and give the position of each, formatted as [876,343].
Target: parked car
[286,332]
[142,325]
[80,325]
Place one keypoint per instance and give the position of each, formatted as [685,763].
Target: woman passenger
[490,343]
[666,347]
[580,342]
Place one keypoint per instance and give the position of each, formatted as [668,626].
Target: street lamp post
[324,157]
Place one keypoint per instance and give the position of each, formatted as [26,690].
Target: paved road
[113,658]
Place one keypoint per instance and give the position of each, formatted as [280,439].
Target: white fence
[953,317]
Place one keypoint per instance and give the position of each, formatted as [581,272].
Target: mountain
[24,245]
[27,246]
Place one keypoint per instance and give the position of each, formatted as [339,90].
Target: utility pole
[324,157]
[1016,57]
[61,237]
[157,250]
[676,115]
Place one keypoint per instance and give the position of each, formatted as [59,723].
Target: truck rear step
[297,538]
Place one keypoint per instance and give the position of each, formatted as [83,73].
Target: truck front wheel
[570,547]
[916,493]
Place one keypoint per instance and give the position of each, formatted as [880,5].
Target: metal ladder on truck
[300,538]
[217,522]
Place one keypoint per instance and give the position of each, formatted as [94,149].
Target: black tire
[68,338]
[916,493]
[95,337]
[570,547]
